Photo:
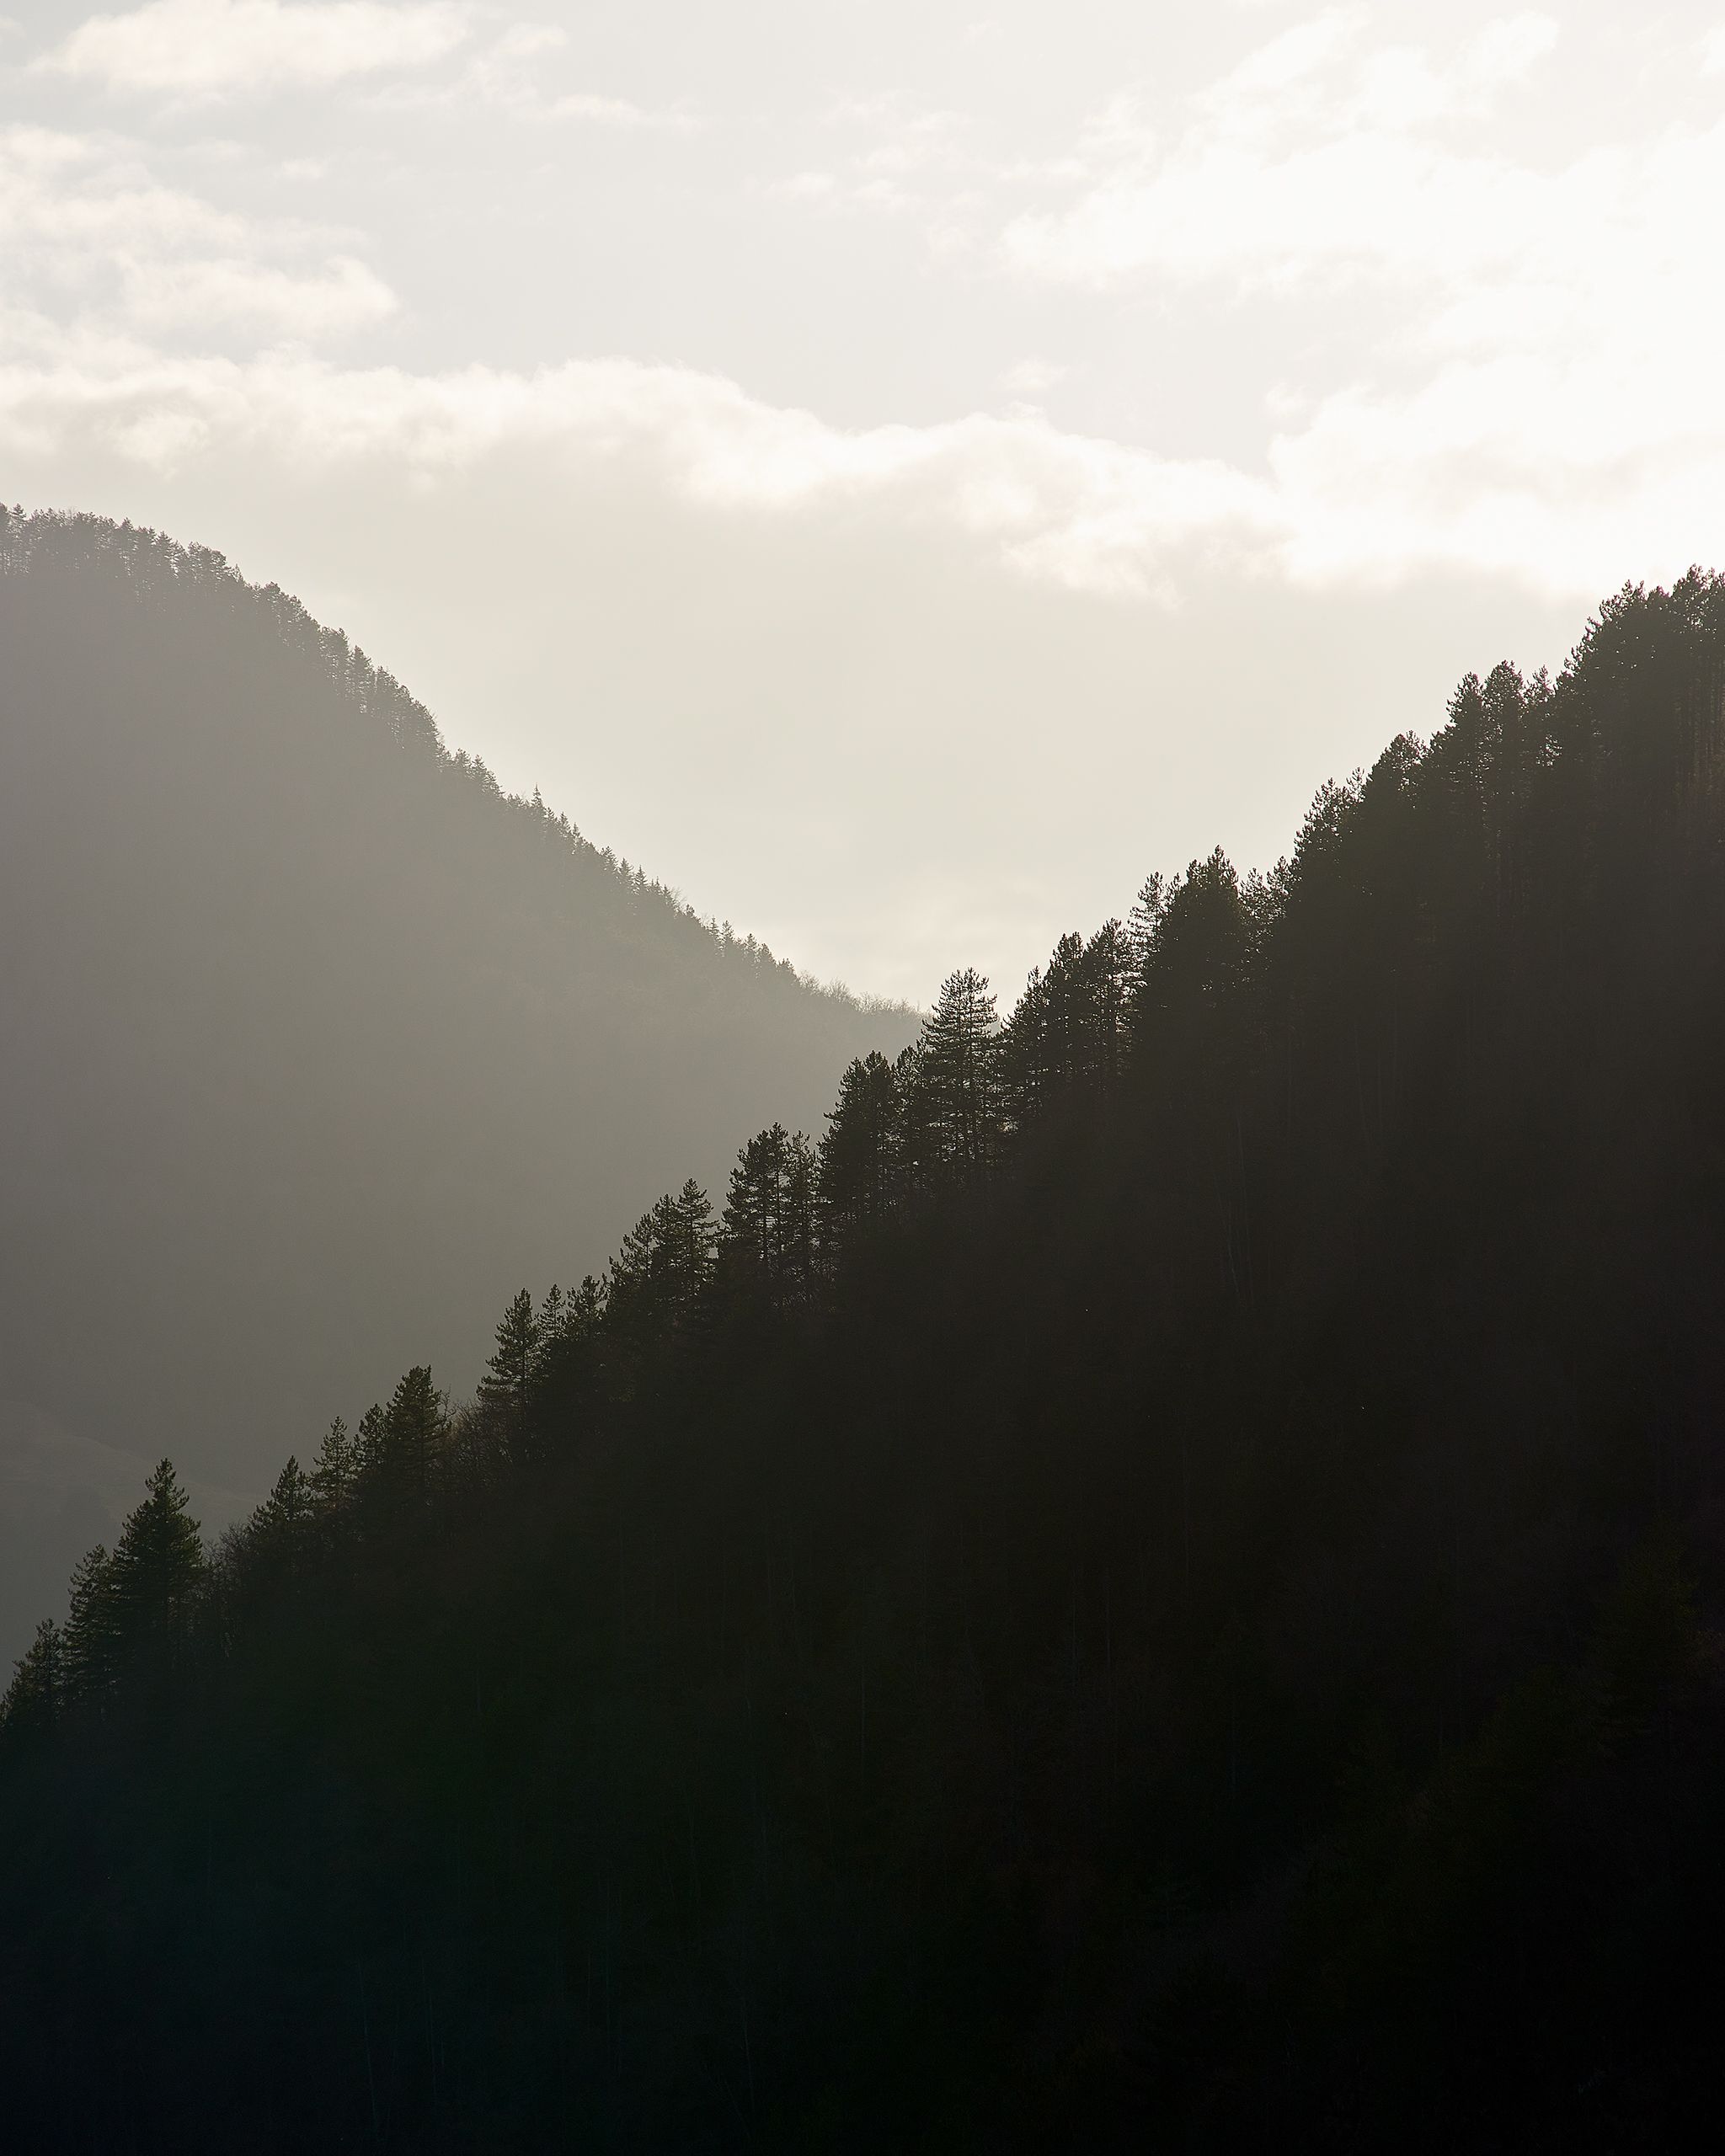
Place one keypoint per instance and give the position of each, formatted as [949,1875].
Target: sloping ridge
[315,1043]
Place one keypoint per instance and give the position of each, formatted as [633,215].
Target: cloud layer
[211,48]
[1145,328]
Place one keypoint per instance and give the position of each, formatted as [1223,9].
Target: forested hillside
[1160,1585]
[313,1038]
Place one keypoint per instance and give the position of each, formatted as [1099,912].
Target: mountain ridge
[1166,1583]
[306,1016]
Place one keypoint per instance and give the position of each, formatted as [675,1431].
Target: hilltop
[316,1039]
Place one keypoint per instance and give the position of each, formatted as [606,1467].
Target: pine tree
[584,1311]
[659,1277]
[91,1642]
[633,1280]
[1145,917]
[918,1147]
[1023,1056]
[1111,969]
[512,1369]
[580,1316]
[282,1527]
[414,1427]
[858,1166]
[1197,947]
[553,1321]
[954,1093]
[36,1694]
[1070,1029]
[799,1234]
[334,1473]
[569,1375]
[371,1448]
[768,1231]
[692,1241]
[158,1566]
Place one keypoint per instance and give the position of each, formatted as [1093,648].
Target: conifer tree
[282,1527]
[1198,955]
[552,1322]
[658,1278]
[768,1230]
[159,1565]
[34,1697]
[1145,917]
[583,1311]
[569,1375]
[857,1166]
[1023,1055]
[414,1427]
[1110,966]
[918,1153]
[632,1281]
[91,1642]
[954,1093]
[333,1475]
[688,1242]
[800,1236]
[512,1368]
[1068,1030]
[372,1444]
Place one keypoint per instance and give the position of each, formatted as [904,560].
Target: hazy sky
[901,471]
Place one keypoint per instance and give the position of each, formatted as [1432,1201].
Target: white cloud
[527,40]
[1088,514]
[1314,158]
[1538,400]
[1506,51]
[334,300]
[67,200]
[1031,377]
[801,187]
[508,75]
[1478,471]
[212,47]
[83,226]
[1537,396]
[612,112]
[1412,311]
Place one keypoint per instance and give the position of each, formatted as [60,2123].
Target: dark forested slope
[1163,1588]
[312,1040]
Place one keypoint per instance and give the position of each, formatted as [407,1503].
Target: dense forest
[1160,1578]
[315,1038]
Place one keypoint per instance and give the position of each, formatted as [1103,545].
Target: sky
[900,472]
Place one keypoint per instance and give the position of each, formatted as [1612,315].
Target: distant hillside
[316,1043]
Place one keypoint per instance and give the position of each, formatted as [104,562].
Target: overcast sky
[901,471]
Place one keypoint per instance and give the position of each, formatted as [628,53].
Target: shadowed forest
[315,1039]
[1157,1579]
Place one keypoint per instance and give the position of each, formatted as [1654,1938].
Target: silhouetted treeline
[1157,1581]
[314,1038]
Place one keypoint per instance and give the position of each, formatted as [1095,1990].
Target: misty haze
[861,1077]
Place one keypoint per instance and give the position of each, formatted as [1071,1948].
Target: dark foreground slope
[1167,1591]
[313,1041]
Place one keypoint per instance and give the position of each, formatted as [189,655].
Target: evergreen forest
[1154,1578]
[315,1037]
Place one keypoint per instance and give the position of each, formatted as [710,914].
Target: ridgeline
[315,1038]
[1162,1581]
